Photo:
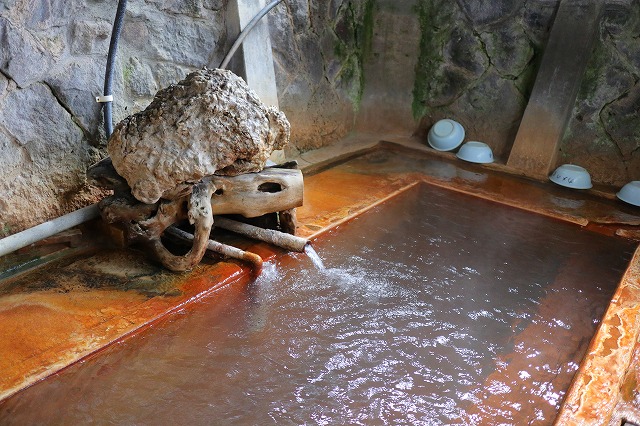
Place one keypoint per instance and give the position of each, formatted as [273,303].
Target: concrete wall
[377,66]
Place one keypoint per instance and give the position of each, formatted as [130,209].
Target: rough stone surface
[51,68]
[477,65]
[211,122]
[25,58]
[604,131]
[27,137]
[375,66]
[320,49]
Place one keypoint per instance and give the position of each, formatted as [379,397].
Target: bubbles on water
[524,375]
[560,323]
[270,273]
[572,366]
[496,387]
[405,383]
[475,315]
[553,398]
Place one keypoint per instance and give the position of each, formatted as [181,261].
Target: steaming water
[433,309]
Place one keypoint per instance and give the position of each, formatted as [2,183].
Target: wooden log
[280,239]
[288,221]
[271,190]
[224,249]
[256,194]
[199,214]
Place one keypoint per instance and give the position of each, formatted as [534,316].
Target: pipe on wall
[44,230]
[109,71]
[29,236]
[245,32]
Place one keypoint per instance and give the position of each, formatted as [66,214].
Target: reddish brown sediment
[58,314]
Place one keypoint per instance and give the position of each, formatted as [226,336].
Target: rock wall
[320,48]
[604,132]
[477,63]
[52,60]
[376,66]
[52,65]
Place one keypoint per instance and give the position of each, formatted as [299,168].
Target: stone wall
[377,66]
[477,63]
[320,48]
[52,64]
[604,132]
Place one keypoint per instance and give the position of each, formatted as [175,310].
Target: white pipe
[29,236]
[245,32]
[227,250]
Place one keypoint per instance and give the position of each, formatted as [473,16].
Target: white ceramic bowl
[630,193]
[475,152]
[571,176]
[446,135]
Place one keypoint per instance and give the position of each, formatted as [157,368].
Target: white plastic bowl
[571,176]
[446,135]
[476,152]
[630,193]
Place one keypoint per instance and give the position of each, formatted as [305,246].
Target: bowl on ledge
[476,152]
[571,176]
[445,135]
[630,193]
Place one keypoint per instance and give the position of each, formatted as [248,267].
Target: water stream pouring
[313,255]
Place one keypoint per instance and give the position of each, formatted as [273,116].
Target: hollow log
[256,194]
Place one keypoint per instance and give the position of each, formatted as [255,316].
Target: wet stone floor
[432,308]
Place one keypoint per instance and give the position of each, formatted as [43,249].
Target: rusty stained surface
[605,390]
[69,309]
[58,314]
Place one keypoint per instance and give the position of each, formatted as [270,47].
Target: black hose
[111,59]
[113,48]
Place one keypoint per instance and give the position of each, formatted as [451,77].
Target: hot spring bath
[433,308]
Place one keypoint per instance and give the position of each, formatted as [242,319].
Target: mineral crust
[209,123]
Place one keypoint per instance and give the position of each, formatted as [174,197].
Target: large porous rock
[209,123]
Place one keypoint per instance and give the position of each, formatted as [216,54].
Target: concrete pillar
[554,93]
[254,59]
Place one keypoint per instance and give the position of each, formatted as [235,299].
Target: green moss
[591,79]
[435,18]
[5,230]
[127,72]
[364,29]
[340,50]
[354,31]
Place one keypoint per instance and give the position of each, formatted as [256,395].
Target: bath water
[433,308]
